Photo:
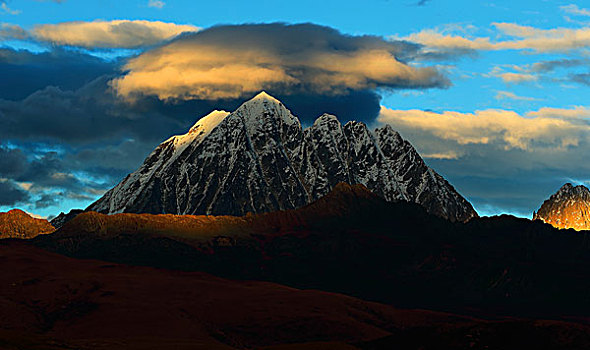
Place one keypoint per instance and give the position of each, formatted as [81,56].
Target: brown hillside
[18,224]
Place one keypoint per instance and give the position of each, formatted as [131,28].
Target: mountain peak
[566,188]
[262,110]
[326,118]
[19,224]
[259,159]
[263,95]
[570,191]
[569,207]
[17,213]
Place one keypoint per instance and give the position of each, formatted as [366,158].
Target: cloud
[580,78]
[501,95]
[36,216]
[446,155]
[43,178]
[47,200]
[544,40]
[501,128]
[24,72]
[12,162]
[236,61]
[436,39]
[542,71]
[83,116]
[518,38]
[549,66]
[575,10]
[576,112]
[7,9]
[109,34]
[12,32]
[11,193]
[156,3]
[517,77]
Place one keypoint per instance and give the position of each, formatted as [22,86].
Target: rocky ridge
[260,159]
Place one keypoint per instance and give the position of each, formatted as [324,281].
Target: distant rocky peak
[569,207]
[19,224]
[569,190]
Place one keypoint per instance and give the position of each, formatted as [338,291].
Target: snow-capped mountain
[260,159]
[567,208]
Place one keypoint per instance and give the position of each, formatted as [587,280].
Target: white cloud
[501,95]
[447,155]
[156,3]
[36,216]
[8,10]
[575,10]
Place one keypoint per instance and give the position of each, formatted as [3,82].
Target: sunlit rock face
[567,208]
[259,159]
[18,224]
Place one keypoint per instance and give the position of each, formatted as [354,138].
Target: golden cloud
[577,112]
[12,31]
[233,61]
[542,129]
[109,34]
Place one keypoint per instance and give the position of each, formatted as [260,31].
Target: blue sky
[508,130]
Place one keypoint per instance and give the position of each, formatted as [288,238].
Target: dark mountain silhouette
[354,242]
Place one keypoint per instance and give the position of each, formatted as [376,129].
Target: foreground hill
[259,159]
[53,302]
[18,224]
[352,241]
[567,208]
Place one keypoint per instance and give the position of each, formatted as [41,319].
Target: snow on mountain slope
[259,159]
